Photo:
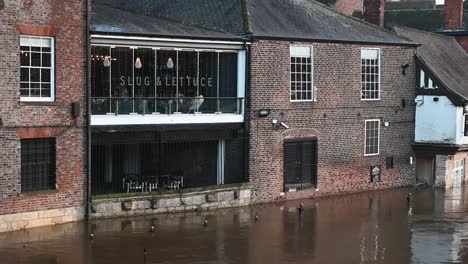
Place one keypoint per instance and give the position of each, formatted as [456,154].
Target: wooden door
[425,170]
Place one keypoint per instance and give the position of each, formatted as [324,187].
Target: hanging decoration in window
[138,63]
[170,64]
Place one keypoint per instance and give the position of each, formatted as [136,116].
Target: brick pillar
[453,14]
[374,11]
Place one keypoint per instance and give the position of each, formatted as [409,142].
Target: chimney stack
[453,14]
[374,11]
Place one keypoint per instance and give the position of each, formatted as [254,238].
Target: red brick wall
[453,14]
[463,40]
[336,118]
[63,20]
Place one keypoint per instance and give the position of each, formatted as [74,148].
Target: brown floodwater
[378,227]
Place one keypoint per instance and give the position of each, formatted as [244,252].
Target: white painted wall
[436,122]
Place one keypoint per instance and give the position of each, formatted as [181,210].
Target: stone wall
[222,197]
[19,221]
[336,118]
[65,21]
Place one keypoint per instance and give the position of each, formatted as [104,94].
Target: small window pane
[35,59]
[45,75]
[24,56]
[35,75]
[24,74]
[46,59]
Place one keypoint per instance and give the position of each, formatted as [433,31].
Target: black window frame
[38,164]
[465,119]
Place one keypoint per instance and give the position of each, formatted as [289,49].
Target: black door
[300,165]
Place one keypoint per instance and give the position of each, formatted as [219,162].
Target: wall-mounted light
[264,112]
[436,99]
[138,64]
[386,124]
[170,63]
[404,67]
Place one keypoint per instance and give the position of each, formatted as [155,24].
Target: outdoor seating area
[150,183]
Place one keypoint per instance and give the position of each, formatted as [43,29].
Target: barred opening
[38,158]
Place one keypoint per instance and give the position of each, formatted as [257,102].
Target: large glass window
[145,80]
[37,68]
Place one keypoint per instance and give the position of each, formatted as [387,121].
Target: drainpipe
[88,113]
[247,114]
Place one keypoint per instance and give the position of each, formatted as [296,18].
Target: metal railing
[166,105]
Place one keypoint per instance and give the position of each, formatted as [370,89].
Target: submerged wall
[196,200]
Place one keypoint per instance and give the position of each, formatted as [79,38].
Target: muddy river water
[378,227]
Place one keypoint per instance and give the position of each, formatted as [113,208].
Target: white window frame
[380,76]
[459,167]
[51,98]
[312,90]
[463,125]
[378,137]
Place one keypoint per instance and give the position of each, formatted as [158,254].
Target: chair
[176,182]
[151,183]
[132,182]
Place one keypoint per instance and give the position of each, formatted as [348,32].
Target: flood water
[378,227]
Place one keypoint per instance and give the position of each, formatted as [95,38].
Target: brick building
[42,143]
[289,95]
[330,103]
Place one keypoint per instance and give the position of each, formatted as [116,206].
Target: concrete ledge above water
[187,200]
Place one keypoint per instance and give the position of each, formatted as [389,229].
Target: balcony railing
[166,105]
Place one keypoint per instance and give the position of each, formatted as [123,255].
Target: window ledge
[35,193]
[292,189]
[37,103]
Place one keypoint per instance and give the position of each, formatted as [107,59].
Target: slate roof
[107,19]
[423,19]
[442,54]
[277,19]
[219,15]
[311,20]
